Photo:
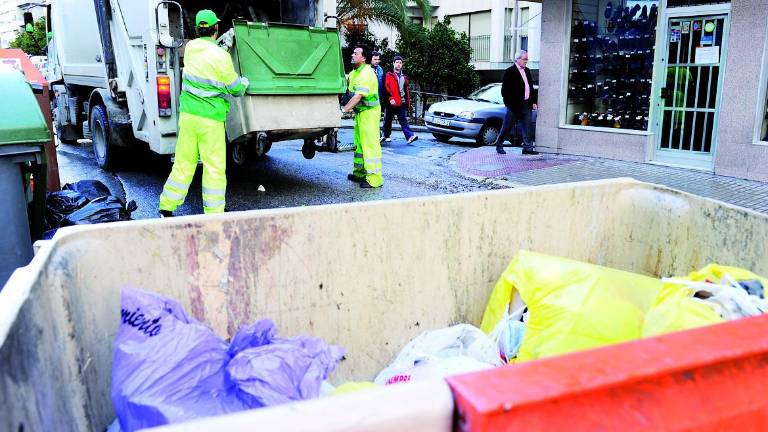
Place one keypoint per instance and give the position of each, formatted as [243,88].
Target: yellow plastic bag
[353,387]
[676,308]
[573,305]
[715,273]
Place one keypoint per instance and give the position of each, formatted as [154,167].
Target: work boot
[365,185]
[500,150]
[530,152]
[166,214]
[354,178]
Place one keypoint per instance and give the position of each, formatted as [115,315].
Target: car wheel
[441,137]
[488,135]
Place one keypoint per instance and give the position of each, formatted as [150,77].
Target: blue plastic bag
[168,367]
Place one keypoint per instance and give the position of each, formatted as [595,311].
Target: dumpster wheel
[261,145]
[332,141]
[238,154]
[308,150]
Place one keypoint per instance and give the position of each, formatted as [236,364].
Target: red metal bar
[711,378]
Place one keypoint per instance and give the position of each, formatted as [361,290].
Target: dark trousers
[523,120]
[402,118]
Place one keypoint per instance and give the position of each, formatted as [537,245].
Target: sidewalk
[512,169]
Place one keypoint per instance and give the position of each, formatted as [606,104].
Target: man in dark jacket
[399,101]
[519,98]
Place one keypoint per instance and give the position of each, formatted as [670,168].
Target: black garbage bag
[59,204]
[91,189]
[101,210]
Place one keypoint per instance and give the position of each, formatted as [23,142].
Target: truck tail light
[164,96]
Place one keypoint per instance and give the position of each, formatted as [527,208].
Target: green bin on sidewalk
[23,135]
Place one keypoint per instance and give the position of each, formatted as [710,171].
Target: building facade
[674,82]
[496,29]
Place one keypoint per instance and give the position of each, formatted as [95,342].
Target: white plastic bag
[435,368]
[728,298]
[462,340]
[508,334]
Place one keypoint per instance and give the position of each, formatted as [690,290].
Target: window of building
[611,63]
[510,26]
[477,26]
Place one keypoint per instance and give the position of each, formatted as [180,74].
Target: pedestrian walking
[399,91]
[365,102]
[519,98]
[376,65]
[209,77]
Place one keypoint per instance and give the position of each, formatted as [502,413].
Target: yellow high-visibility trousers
[204,139]
[367,162]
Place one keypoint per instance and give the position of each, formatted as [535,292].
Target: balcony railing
[481,48]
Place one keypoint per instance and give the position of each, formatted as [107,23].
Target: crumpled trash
[711,295]
[474,348]
[508,334]
[435,368]
[168,367]
[101,210]
[90,189]
[59,204]
[84,202]
[573,306]
[352,387]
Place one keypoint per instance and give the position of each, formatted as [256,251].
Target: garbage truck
[116,68]
[59,315]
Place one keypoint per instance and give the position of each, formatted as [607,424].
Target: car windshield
[488,94]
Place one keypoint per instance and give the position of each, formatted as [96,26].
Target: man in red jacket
[396,84]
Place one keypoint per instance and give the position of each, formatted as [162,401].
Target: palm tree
[354,15]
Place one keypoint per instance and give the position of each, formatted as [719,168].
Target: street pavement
[426,167]
[421,169]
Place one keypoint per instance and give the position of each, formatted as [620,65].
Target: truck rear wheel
[102,150]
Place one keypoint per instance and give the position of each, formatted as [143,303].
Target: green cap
[206,18]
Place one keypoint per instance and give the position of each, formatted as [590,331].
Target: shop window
[611,63]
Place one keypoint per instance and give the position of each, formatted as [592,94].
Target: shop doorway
[691,77]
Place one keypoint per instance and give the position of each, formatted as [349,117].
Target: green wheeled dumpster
[372,276]
[296,75]
[23,136]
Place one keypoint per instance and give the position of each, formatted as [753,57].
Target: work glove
[227,39]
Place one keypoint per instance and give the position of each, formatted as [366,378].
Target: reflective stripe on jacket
[209,78]
[363,81]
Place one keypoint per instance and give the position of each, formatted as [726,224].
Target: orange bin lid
[18,59]
[709,378]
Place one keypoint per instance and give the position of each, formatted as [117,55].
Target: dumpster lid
[289,59]
[21,121]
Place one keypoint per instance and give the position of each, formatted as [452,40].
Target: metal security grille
[693,74]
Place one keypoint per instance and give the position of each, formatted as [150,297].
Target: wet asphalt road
[420,169]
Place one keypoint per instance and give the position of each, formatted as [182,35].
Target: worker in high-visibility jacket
[364,85]
[209,77]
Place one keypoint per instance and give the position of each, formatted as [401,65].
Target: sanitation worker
[364,85]
[209,77]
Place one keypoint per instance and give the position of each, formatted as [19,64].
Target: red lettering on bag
[398,379]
